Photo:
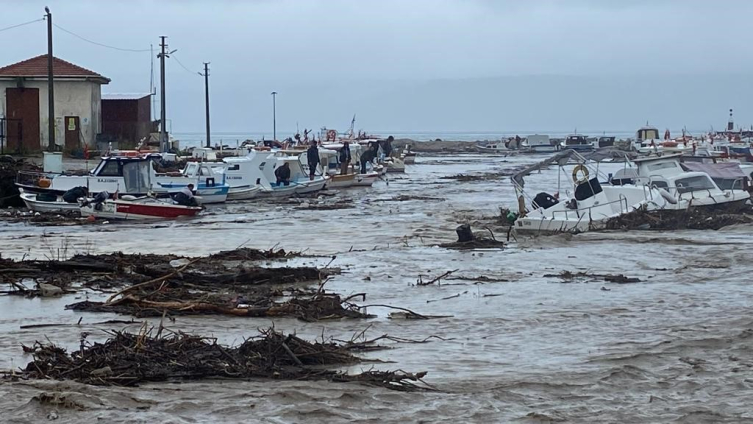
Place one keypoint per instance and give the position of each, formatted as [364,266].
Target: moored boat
[142,208]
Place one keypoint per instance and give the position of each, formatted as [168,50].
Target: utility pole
[274,116]
[206,96]
[163,119]
[50,89]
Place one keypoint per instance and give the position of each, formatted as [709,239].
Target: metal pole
[274,116]
[163,114]
[206,94]
[50,86]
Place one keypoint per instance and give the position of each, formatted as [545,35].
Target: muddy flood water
[521,345]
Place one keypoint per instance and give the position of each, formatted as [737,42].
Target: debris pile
[691,219]
[569,277]
[127,359]
[9,168]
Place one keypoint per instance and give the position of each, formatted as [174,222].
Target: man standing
[367,156]
[344,158]
[313,159]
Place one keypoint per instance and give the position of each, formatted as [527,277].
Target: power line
[100,44]
[20,25]
[184,66]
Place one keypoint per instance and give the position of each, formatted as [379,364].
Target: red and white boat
[142,208]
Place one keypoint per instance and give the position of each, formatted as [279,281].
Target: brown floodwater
[519,346]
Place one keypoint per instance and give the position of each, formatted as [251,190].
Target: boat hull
[139,210]
[366,180]
[243,193]
[341,181]
[41,206]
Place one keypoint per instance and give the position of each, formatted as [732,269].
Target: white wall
[72,98]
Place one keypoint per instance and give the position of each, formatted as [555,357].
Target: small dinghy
[136,208]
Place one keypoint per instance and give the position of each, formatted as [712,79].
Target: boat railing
[742,186]
[29,177]
[622,200]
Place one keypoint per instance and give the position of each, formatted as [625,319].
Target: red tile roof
[37,67]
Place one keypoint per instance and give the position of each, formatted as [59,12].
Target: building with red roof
[23,107]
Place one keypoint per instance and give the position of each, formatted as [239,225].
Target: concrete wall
[72,98]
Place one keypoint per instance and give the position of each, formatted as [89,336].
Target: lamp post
[274,116]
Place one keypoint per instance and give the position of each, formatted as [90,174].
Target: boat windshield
[573,140]
[648,134]
[688,184]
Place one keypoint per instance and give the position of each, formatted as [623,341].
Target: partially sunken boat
[651,184]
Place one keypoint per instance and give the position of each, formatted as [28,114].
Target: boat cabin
[647,133]
[576,140]
[536,140]
[606,141]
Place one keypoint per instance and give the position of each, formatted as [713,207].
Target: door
[23,106]
[72,133]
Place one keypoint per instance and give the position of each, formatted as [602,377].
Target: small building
[126,118]
[24,104]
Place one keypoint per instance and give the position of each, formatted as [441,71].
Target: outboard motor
[99,199]
[544,200]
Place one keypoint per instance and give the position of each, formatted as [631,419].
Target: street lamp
[274,116]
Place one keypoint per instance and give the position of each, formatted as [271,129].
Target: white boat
[128,172]
[299,172]
[33,202]
[394,164]
[208,185]
[499,147]
[538,143]
[657,183]
[366,180]
[142,208]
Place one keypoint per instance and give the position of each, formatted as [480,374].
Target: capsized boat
[137,208]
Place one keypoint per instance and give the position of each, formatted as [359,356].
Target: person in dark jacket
[344,158]
[313,159]
[368,156]
[72,195]
[283,174]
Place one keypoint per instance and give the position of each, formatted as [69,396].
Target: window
[701,182]
[111,169]
[660,184]
[235,167]
[662,165]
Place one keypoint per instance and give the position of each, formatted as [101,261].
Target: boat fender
[580,169]
[44,183]
[665,194]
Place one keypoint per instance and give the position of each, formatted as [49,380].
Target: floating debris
[569,277]
[127,359]
[692,219]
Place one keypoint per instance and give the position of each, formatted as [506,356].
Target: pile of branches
[241,291]
[692,219]
[127,359]
[9,167]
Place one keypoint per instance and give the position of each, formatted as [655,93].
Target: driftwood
[128,359]
[569,277]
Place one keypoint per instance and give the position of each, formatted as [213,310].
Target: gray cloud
[330,58]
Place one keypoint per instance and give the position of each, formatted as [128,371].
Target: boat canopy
[722,170]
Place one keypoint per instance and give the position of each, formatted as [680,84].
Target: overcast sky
[418,65]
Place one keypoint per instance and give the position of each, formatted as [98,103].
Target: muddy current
[521,345]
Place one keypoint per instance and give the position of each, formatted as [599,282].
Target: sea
[231,139]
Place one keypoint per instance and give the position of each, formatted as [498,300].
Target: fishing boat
[499,147]
[394,164]
[299,172]
[127,172]
[540,143]
[366,180]
[210,187]
[577,142]
[47,202]
[137,208]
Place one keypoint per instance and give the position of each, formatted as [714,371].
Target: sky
[413,66]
